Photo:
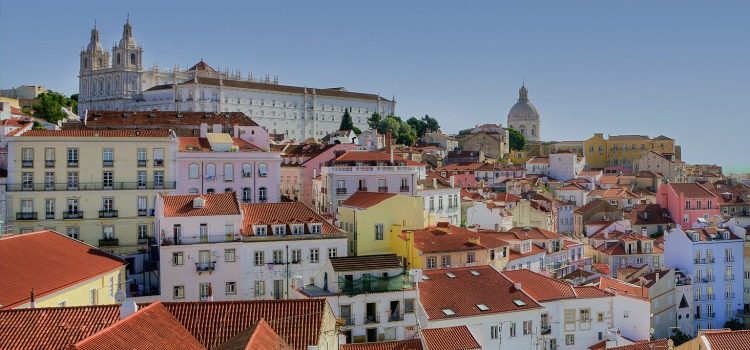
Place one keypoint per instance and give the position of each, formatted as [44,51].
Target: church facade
[117,80]
[524,118]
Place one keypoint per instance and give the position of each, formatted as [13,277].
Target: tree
[678,337]
[74,103]
[48,106]
[734,324]
[374,121]
[430,123]
[346,121]
[406,135]
[516,139]
[417,125]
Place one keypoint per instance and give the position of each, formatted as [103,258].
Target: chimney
[453,182]
[32,300]
[128,308]
[443,226]
[657,277]
[434,182]
[517,286]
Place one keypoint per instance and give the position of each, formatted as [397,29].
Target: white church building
[117,80]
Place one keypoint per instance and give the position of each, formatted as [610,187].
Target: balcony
[111,213]
[144,240]
[72,215]
[396,316]
[546,329]
[49,215]
[729,295]
[208,266]
[27,163]
[108,163]
[30,215]
[49,163]
[382,189]
[341,191]
[372,318]
[142,212]
[72,163]
[362,188]
[729,277]
[91,186]
[142,162]
[158,162]
[711,315]
[729,259]
[348,320]
[109,242]
[404,188]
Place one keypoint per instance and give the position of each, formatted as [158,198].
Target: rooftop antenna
[94,24]
[128,19]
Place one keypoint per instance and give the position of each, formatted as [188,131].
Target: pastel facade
[624,151]
[666,165]
[301,164]
[688,203]
[440,201]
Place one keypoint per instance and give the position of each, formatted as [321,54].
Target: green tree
[346,121]
[48,106]
[374,121]
[431,123]
[678,337]
[516,139]
[417,125]
[406,135]
[74,103]
[734,324]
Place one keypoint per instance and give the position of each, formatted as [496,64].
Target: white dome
[523,109]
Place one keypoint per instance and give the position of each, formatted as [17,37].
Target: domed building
[524,117]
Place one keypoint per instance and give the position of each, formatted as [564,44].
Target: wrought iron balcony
[382,189]
[142,212]
[111,213]
[72,163]
[50,163]
[404,188]
[142,162]
[546,329]
[395,316]
[158,162]
[49,215]
[362,188]
[108,163]
[27,163]
[30,215]
[143,240]
[109,242]
[205,266]
[91,186]
[341,191]
[73,215]
[372,318]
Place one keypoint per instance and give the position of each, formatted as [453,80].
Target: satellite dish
[120,296]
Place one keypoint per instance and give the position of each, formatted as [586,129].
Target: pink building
[218,162]
[688,202]
[302,163]
[464,174]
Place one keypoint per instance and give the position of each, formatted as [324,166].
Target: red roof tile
[539,287]
[363,156]
[466,290]
[449,338]
[652,345]
[514,255]
[282,213]
[201,144]
[214,204]
[258,336]
[433,239]
[366,262]
[364,200]
[99,133]
[152,327]
[727,340]
[299,322]
[53,328]
[411,344]
[534,233]
[616,286]
[46,262]
[691,190]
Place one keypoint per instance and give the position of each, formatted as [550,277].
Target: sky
[619,67]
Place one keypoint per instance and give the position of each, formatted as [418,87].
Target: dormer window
[199,202]
[316,228]
[260,230]
[279,230]
[298,229]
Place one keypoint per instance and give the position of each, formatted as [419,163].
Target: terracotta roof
[461,167]
[515,255]
[53,328]
[152,327]
[281,213]
[449,338]
[618,248]
[573,186]
[366,156]
[465,290]
[538,160]
[201,144]
[543,288]
[299,322]
[411,344]
[619,193]
[163,133]
[616,286]
[364,200]
[602,268]
[258,336]
[47,262]
[214,204]
[652,345]
[366,262]
[609,179]
[691,190]
[648,214]
[163,119]
[432,240]
[727,340]
[533,233]
[506,197]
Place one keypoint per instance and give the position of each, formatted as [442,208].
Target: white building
[364,171]
[213,248]
[564,166]
[489,216]
[373,295]
[441,201]
[119,81]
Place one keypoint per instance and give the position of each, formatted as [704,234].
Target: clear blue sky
[643,67]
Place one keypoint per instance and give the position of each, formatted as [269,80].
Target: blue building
[713,257]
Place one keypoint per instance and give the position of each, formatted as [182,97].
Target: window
[27,181]
[247,170]
[141,178]
[279,230]
[599,317]
[262,170]
[72,157]
[178,292]
[193,171]
[409,305]
[228,172]
[432,203]
[204,291]
[73,231]
[316,228]
[260,258]
[298,229]
[49,157]
[158,179]
[445,261]
[527,327]
[378,232]
[314,255]
[158,157]
[512,329]
[142,231]
[585,315]
[230,288]
[440,203]
[142,206]
[570,315]
[296,256]
[108,157]
[431,262]
[27,157]
[262,194]
[246,195]
[230,255]
[49,208]
[495,332]
[471,257]
[260,230]
[260,288]
[177,259]
[141,156]
[108,232]
[332,252]
[570,339]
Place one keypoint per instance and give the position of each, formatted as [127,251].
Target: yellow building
[49,269]
[373,219]
[98,186]
[624,150]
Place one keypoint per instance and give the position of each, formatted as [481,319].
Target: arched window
[262,194]
[132,59]
[85,62]
[118,59]
[100,63]
[228,172]
[246,195]
[247,170]
[262,170]
[193,171]
[533,131]
[210,172]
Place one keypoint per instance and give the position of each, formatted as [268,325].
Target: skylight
[519,302]
[425,277]
[449,312]
[474,272]
[450,275]
[483,307]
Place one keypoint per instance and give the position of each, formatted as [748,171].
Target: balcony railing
[142,162]
[362,188]
[372,318]
[108,163]
[142,212]
[205,266]
[143,240]
[73,215]
[91,186]
[109,242]
[341,191]
[404,188]
[27,163]
[348,321]
[49,215]
[729,259]
[711,314]
[729,295]
[395,316]
[111,213]
[158,162]
[546,329]
[49,163]
[382,189]
[26,215]
[72,163]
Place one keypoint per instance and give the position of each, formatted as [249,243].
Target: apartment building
[301,164]
[622,152]
[688,203]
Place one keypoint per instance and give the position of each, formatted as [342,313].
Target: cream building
[524,118]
